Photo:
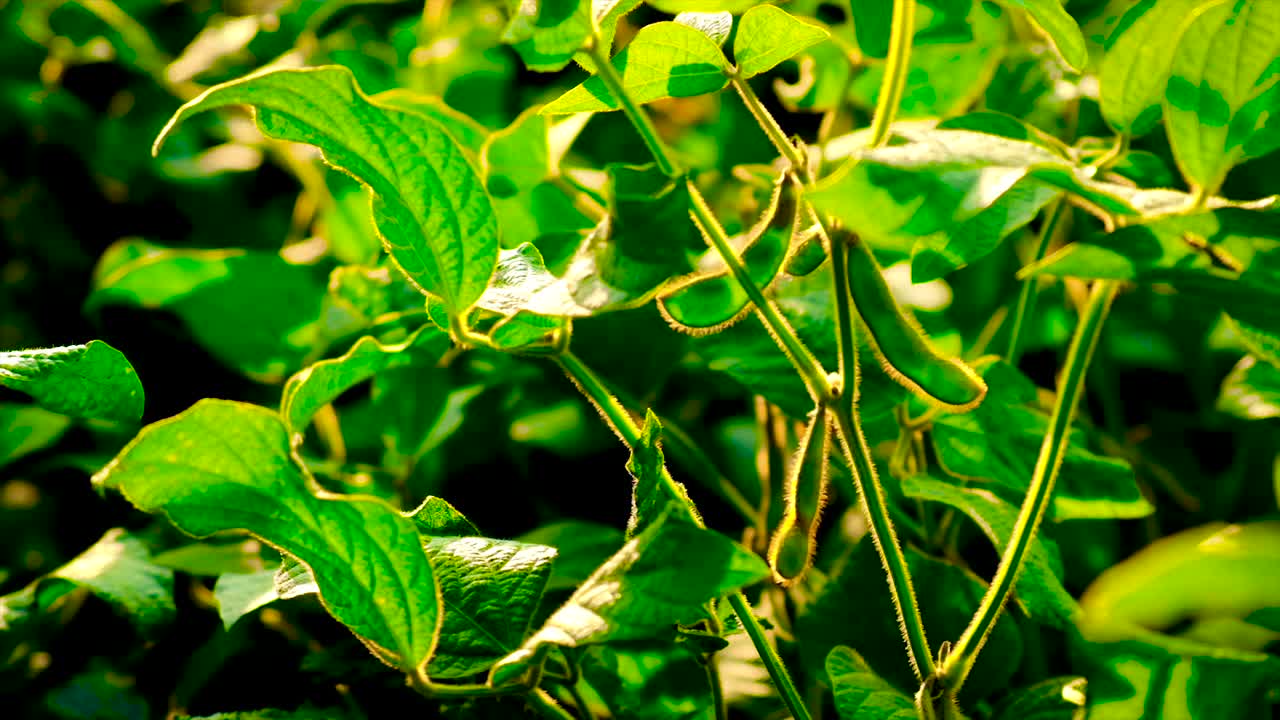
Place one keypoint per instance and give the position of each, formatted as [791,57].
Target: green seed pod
[804,493]
[708,303]
[1210,572]
[904,351]
[807,254]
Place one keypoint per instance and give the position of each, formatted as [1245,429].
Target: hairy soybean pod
[708,303]
[804,492]
[904,351]
[1214,571]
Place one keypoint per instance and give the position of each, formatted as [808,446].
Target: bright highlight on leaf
[87,381]
[767,35]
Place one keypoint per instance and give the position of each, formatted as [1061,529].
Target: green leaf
[1040,586]
[661,577]
[119,569]
[1001,441]
[1060,28]
[518,157]
[1223,89]
[861,694]
[489,590]
[547,33]
[580,546]
[238,594]
[1139,57]
[320,384]
[649,683]
[679,6]
[1058,698]
[28,429]
[86,381]
[715,25]
[435,517]
[429,203]
[767,35]
[1252,390]
[223,466]
[654,490]
[220,296]
[213,559]
[665,59]
[304,713]
[469,133]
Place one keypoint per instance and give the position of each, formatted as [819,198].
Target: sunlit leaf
[88,381]
[767,35]
[861,694]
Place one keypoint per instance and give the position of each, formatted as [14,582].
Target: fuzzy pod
[804,493]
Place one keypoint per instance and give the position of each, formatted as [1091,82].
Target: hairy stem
[643,125]
[595,390]
[895,70]
[1026,307]
[960,662]
[542,701]
[858,453]
[769,124]
[815,378]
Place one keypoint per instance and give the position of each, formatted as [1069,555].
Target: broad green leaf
[715,25]
[213,559]
[650,683]
[1266,345]
[712,298]
[320,384]
[654,489]
[429,204]
[86,381]
[1040,586]
[1059,698]
[220,296]
[665,59]
[469,133]
[948,595]
[1136,68]
[767,35]
[1060,28]
[1001,440]
[581,547]
[223,466]
[119,569]
[346,223]
[518,157]
[489,591]
[28,429]
[1224,88]
[661,577]
[861,694]
[238,594]
[1252,390]
[435,517]
[547,33]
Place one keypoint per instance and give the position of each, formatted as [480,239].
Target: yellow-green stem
[769,125]
[1026,306]
[609,75]
[960,661]
[895,70]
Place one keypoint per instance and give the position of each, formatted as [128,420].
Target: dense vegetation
[876,359]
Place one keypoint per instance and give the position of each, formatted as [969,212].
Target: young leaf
[223,466]
[87,381]
[1060,28]
[1223,89]
[767,35]
[320,384]
[661,577]
[429,203]
[654,490]
[1139,57]
[1252,390]
[1040,586]
[861,694]
[220,296]
[665,59]
[435,517]
[119,569]
[715,25]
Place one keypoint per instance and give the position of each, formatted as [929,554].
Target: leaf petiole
[599,53]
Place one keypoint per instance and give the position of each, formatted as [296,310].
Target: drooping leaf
[1039,586]
[429,204]
[861,694]
[767,35]
[1252,390]
[1001,440]
[320,384]
[661,577]
[1139,57]
[1222,100]
[665,59]
[119,569]
[223,466]
[1060,28]
[87,381]
[220,296]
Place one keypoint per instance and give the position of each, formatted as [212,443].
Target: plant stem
[772,661]
[858,453]
[769,124]
[643,125]
[594,388]
[895,70]
[542,701]
[958,664]
[815,378]
[1026,306]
